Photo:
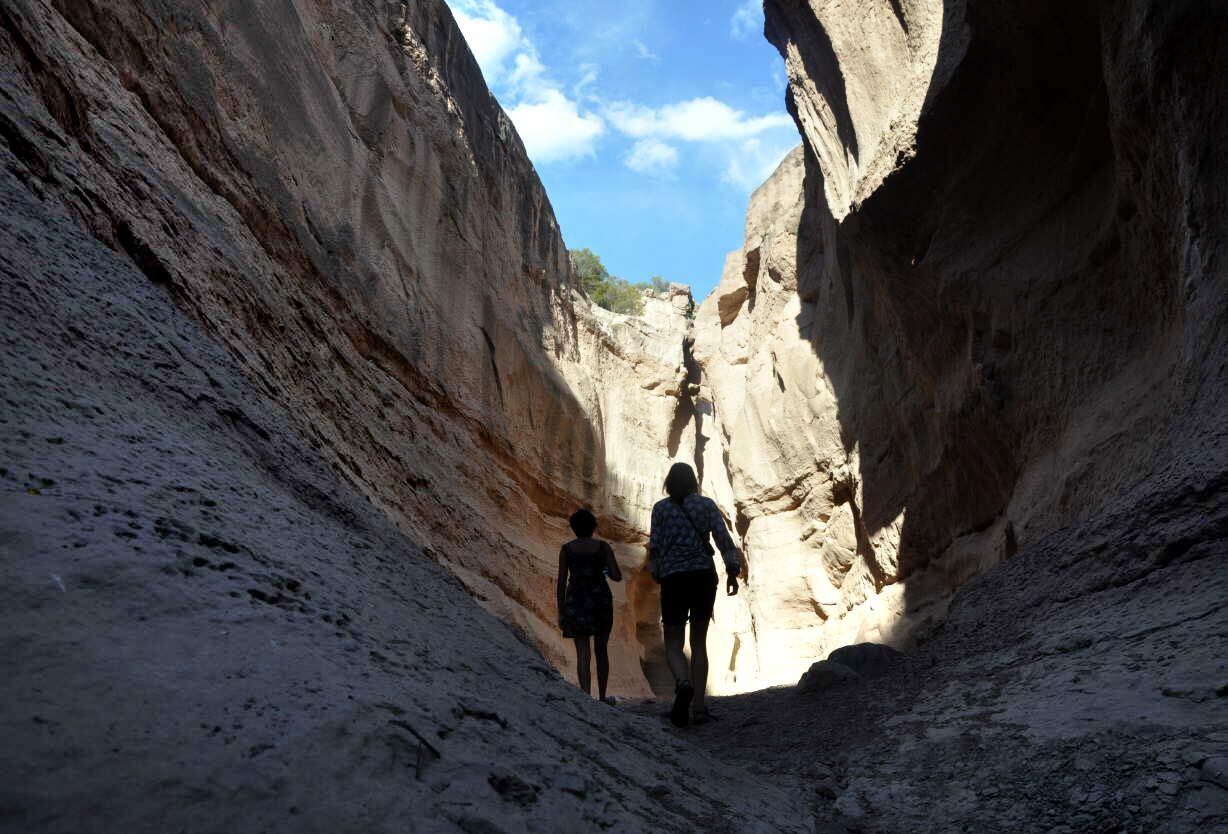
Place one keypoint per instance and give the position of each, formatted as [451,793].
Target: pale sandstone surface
[998,303]
[634,372]
[206,628]
[790,479]
[331,190]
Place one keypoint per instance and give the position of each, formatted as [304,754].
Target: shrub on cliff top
[604,289]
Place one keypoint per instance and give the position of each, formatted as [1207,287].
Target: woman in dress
[586,607]
[681,560]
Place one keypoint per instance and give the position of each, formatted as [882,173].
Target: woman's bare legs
[600,644]
[584,664]
[675,636]
[699,662]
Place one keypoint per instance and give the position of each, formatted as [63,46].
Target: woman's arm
[561,587]
[654,543]
[611,563]
[724,542]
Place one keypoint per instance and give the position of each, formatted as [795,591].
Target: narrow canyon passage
[301,384]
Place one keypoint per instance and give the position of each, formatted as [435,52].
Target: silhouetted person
[586,607]
[681,560]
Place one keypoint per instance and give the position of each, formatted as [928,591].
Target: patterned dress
[588,605]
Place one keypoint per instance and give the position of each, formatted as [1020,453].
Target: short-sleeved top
[588,606]
[676,546]
[586,566]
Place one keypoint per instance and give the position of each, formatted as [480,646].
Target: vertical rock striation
[773,453]
[1003,248]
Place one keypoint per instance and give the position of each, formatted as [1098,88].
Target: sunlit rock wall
[633,373]
[333,193]
[989,300]
[774,459]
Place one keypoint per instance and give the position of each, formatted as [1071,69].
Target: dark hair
[681,482]
[583,523]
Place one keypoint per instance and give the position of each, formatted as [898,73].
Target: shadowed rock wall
[333,193]
[1009,270]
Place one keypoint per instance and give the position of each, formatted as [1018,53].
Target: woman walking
[586,607]
[681,560]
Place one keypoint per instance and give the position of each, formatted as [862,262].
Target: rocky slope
[287,320]
[207,628]
[333,193]
[1078,687]
[986,302]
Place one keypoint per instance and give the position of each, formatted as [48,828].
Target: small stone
[827,788]
[848,805]
[573,784]
[1215,770]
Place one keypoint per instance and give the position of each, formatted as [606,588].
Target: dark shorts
[692,594]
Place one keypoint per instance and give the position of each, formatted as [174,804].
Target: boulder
[866,659]
[824,674]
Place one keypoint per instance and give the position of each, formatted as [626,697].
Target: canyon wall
[773,457]
[333,193]
[986,301]
[287,326]
[205,627]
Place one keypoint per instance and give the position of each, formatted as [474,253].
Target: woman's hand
[731,586]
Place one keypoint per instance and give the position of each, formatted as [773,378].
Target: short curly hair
[583,523]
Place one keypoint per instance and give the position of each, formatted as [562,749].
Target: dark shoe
[703,716]
[680,715]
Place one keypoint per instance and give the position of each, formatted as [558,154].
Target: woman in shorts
[681,560]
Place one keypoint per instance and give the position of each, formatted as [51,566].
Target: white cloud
[652,156]
[753,160]
[747,20]
[588,77]
[697,120]
[492,34]
[553,128]
[550,124]
[528,76]
[558,124]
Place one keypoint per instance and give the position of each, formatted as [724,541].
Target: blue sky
[649,121]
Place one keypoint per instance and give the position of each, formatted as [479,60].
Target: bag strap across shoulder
[700,534]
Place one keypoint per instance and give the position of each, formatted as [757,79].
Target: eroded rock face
[287,317]
[206,627]
[774,457]
[1001,305]
[635,378]
[332,191]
